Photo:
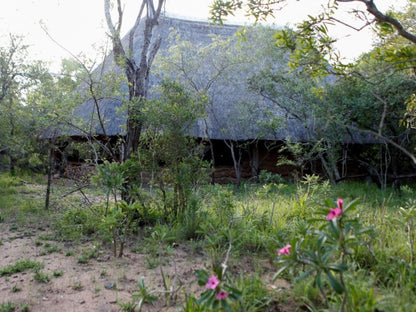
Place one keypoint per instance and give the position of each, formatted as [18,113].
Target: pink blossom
[284,251]
[333,213]
[213,282]
[221,295]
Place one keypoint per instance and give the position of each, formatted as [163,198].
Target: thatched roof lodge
[222,121]
[224,99]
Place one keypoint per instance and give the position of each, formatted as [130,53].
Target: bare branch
[381,17]
[120,16]
[136,25]
[348,25]
[386,139]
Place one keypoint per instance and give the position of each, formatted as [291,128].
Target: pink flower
[284,251]
[221,295]
[213,282]
[333,213]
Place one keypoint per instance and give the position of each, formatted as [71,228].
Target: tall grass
[256,220]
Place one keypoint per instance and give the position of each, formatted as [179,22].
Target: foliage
[311,50]
[257,220]
[21,266]
[322,251]
[312,40]
[143,295]
[385,95]
[74,223]
[207,71]
[218,292]
[266,177]
[117,221]
[18,78]
[170,157]
[42,277]
[112,177]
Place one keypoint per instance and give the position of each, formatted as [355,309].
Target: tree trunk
[237,163]
[136,71]
[50,170]
[255,161]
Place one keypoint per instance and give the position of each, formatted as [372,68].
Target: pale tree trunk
[237,161]
[136,71]
[255,160]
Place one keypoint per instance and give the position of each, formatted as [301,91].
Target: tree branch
[380,17]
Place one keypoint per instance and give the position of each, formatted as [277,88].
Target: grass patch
[8,307]
[42,277]
[50,249]
[21,266]
[88,254]
[69,253]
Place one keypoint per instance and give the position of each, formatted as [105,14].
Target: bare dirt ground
[99,285]
[104,282]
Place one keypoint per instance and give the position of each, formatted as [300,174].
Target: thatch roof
[223,119]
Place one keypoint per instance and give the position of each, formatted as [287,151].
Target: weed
[69,253]
[47,237]
[192,305]
[152,262]
[255,296]
[83,260]
[38,243]
[88,254]
[16,289]
[13,228]
[42,277]
[25,308]
[50,249]
[8,307]
[72,224]
[143,295]
[78,286]
[28,234]
[21,266]
[127,306]
[58,273]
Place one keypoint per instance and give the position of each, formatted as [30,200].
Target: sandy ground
[99,285]
[95,286]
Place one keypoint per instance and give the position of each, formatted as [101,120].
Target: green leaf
[334,229]
[202,276]
[338,267]
[284,267]
[205,296]
[215,304]
[351,205]
[335,284]
[225,305]
[385,28]
[317,282]
[305,274]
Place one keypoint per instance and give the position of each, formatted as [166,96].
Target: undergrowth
[256,221]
